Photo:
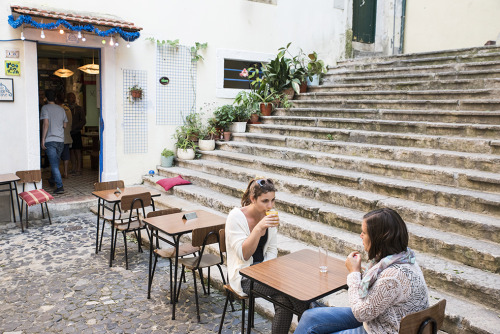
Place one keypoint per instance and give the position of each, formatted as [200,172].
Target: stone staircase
[418,133]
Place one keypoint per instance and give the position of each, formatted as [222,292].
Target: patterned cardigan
[398,291]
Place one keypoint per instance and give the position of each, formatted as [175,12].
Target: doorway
[363,21]
[78,93]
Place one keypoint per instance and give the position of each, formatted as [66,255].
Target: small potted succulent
[167,158]
[185,146]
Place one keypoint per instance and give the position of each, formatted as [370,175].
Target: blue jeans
[326,320]
[53,151]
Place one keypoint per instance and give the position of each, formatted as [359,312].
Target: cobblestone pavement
[51,281]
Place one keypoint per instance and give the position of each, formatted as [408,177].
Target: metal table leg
[250,308]
[112,254]
[150,274]
[98,222]
[174,299]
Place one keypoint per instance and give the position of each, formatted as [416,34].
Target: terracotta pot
[266,109]
[136,94]
[227,135]
[303,87]
[289,92]
[254,118]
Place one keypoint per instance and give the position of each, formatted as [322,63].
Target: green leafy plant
[329,137]
[224,116]
[167,153]
[241,114]
[208,131]
[194,51]
[315,66]
[182,138]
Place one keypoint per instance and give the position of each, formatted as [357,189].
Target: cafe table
[175,225]
[11,180]
[295,275]
[114,197]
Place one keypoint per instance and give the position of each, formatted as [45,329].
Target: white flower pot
[187,154]
[238,127]
[314,81]
[206,145]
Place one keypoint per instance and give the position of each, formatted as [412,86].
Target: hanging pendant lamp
[90,68]
[63,72]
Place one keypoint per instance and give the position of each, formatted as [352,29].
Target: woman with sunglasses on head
[391,287]
[251,238]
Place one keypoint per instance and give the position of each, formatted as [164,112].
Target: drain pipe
[402,33]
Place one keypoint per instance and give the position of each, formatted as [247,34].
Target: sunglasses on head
[262,182]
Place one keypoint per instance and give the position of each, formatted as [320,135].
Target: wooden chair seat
[235,294]
[134,225]
[427,321]
[207,260]
[184,249]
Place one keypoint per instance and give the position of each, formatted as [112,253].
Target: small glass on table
[323,259]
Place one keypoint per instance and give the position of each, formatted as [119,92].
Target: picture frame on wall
[6,90]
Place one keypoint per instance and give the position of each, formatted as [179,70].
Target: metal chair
[133,223]
[230,293]
[201,238]
[35,196]
[104,211]
[169,253]
[418,323]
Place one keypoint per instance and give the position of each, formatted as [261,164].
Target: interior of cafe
[73,70]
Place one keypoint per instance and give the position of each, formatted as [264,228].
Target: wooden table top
[10,177]
[297,275]
[174,224]
[111,197]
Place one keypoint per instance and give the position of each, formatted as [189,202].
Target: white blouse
[398,291]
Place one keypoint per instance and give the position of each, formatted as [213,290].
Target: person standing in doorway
[78,122]
[54,121]
[65,155]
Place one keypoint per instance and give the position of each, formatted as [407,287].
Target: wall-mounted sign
[11,53]
[12,67]
[164,80]
[6,90]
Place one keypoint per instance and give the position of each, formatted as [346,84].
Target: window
[230,63]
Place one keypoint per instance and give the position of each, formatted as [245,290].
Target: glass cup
[273,212]
[323,259]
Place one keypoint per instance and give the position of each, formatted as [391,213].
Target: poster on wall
[6,90]
[12,67]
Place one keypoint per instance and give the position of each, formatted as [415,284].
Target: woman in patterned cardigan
[391,287]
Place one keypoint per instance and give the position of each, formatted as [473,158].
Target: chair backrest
[426,321]
[28,176]
[108,185]
[222,238]
[163,212]
[212,232]
[130,202]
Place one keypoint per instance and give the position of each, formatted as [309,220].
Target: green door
[363,20]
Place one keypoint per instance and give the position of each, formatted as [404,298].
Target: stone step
[344,166]
[464,55]
[449,276]
[369,69]
[480,162]
[394,77]
[471,145]
[492,83]
[443,94]
[422,104]
[461,314]
[234,165]
[447,116]
[392,126]
[476,253]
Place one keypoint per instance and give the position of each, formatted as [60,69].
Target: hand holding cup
[273,217]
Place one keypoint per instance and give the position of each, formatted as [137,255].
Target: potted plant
[315,69]
[266,97]
[241,116]
[193,125]
[136,92]
[224,116]
[185,146]
[207,137]
[167,158]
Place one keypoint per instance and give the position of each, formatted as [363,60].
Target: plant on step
[182,139]
[298,63]
[167,153]
[193,124]
[224,116]
[279,75]
[315,66]
[241,114]
[329,137]
[247,100]
[209,131]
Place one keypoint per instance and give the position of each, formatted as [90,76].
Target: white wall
[314,25]
[450,24]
